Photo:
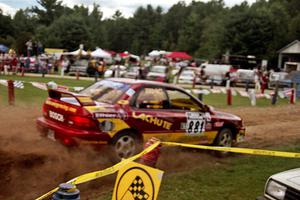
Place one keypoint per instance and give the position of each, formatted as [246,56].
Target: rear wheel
[224,139]
[126,144]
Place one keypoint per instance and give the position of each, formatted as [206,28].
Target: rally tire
[125,144]
[224,139]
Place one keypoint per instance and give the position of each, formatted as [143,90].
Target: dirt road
[30,165]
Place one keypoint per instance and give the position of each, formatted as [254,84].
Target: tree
[51,9]
[67,32]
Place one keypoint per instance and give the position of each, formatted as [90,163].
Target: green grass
[34,95]
[60,81]
[241,177]
[220,100]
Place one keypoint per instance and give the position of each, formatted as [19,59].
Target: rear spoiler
[83,100]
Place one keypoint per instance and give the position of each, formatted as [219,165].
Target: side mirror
[207,108]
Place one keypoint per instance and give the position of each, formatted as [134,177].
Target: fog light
[106,125]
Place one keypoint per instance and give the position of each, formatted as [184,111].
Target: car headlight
[276,190]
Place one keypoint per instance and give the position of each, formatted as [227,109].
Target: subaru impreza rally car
[126,112]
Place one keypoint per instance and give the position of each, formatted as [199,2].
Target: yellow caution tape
[97,174]
[260,152]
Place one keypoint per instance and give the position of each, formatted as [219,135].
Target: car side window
[182,101]
[151,98]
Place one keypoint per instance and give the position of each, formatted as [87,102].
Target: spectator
[27,63]
[29,48]
[264,82]
[101,68]
[64,65]
[203,75]
[13,64]
[257,79]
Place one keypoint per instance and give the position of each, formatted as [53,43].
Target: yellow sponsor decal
[153,120]
[137,181]
[85,99]
[93,109]
[123,102]
[60,106]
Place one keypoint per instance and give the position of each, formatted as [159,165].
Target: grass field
[36,96]
[234,178]
[32,95]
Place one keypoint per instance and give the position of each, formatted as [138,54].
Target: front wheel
[125,145]
[224,139]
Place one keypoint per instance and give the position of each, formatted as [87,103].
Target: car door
[150,115]
[189,116]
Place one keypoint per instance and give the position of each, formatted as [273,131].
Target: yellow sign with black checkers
[137,182]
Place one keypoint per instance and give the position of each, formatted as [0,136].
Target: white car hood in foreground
[290,177]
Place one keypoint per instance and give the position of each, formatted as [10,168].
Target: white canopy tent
[100,53]
[157,53]
[135,57]
[76,53]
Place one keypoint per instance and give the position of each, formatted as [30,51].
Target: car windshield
[159,69]
[106,91]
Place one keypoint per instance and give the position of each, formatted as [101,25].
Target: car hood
[226,116]
[290,177]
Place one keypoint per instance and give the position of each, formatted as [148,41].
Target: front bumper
[70,136]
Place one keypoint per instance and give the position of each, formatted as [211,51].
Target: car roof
[143,82]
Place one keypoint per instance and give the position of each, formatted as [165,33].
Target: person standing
[257,80]
[29,45]
[14,63]
[264,82]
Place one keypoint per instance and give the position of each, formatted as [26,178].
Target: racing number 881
[195,126]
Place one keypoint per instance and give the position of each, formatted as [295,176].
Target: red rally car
[126,112]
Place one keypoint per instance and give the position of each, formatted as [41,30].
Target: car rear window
[106,91]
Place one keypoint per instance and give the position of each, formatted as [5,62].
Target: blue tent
[3,48]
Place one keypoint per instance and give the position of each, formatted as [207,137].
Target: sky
[108,7]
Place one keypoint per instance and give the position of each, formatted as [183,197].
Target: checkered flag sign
[137,189]
[19,84]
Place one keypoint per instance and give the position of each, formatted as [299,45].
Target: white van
[216,72]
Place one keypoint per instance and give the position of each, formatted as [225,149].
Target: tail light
[82,122]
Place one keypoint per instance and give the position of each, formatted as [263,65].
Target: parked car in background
[216,73]
[79,66]
[187,77]
[133,72]
[115,71]
[281,78]
[215,80]
[157,73]
[283,186]
[244,76]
